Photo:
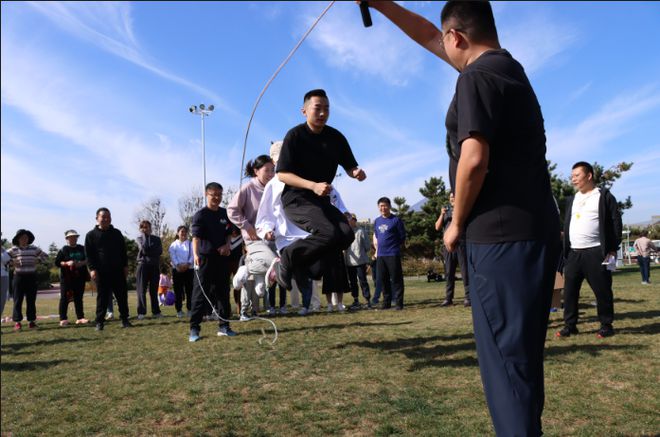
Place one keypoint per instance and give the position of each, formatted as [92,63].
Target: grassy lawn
[369,373]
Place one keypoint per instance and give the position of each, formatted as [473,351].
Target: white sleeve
[266,221]
[337,202]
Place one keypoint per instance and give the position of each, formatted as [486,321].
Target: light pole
[203,111]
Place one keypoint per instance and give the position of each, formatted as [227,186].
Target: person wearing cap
[24,258]
[73,275]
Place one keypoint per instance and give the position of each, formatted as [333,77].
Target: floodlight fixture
[203,111]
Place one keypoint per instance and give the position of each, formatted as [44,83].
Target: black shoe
[398,308]
[446,303]
[355,306]
[126,324]
[566,331]
[99,327]
[467,303]
[605,331]
[386,307]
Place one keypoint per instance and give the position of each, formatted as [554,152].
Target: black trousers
[146,278]
[183,283]
[212,280]
[355,274]
[390,274]
[107,284]
[76,290]
[586,264]
[511,292]
[335,279]
[452,259]
[25,286]
[329,229]
[271,296]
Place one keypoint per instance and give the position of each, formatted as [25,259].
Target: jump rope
[366,20]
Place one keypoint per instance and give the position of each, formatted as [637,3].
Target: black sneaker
[126,324]
[566,331]
[99,327]
[605,331]
[446,303]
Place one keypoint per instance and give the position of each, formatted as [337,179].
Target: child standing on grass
[164,283]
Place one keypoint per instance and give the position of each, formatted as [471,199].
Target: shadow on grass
[594,350]
[338,326]
[30,365]
[10,348]
[631,315]
[652,329]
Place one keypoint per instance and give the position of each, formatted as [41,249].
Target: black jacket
[149,249]
[609,223]
[105,250]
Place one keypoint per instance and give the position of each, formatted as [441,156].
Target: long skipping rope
[247,132]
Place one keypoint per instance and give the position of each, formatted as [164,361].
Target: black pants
[271,296]
[183,283]
[211,279]
[329,229]
[390,274]
[335,279]
[355,274]
[146,278]
[587,264]
[25,286]
[107,284]
[452,259]
[76,290]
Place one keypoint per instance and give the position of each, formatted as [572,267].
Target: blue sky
[95,99]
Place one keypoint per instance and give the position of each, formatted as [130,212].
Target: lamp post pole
[202,111]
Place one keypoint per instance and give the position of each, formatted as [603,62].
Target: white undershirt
[583,230]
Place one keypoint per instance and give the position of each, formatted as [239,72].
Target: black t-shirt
[212,228]
[314,157]
[495,99]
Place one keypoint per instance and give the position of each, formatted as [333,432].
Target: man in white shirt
[592,235]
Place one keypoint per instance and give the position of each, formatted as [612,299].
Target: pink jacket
[242,210]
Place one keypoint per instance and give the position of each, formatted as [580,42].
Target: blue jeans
[645,267]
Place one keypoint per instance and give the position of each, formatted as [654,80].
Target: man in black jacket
[592,235]
[108,264]
[148,270]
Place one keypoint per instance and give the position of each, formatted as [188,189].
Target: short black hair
[587,167]
[475,18]
[384,200]
[102,209]
[213,186]
[314,93]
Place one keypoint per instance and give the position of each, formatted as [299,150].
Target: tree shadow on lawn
[594,350]
[632,315]
[337,326]
[14,347]
[30,365]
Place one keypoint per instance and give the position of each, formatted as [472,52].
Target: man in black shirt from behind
[503,203]
[311,154]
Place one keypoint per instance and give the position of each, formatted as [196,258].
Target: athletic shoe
[467,303]
[605,331]
[82,321]
[303,311]
[244,318]
[179,314]
[126,324]
[18,326]
[566,332]
[330,308]
[99,327]
[341,308]
[109,316]
[645,283]
[194,335]
[374,302]
[140,316]
[271,311]
[32,325]
[64,323]
[226,331]
[283,310]
[355,305]
[398,308]
[446,303]
[240,277]
[158,316]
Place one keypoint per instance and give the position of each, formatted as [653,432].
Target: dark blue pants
[211,282]
[644,267]
[390,274]
[355,274]
[510,289]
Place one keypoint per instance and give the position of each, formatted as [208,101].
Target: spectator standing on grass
[504,206]
[181,257]
[147,274]
[4,279]
[357,258]
[389,238]
[105,249]
[24,258]
[73,276]
[592,236]
[643,246]
[459,256]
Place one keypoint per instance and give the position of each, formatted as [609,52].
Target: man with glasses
[503,203]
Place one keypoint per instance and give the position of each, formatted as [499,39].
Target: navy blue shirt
[390,235]
[212,228]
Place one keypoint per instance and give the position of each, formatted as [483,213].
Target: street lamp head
[211,107]
[202,107]
[193,108]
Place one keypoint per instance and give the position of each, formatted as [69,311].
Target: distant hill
[417,207]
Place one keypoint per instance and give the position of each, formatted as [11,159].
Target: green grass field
[368,373]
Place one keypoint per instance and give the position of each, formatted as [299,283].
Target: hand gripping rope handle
[263,333]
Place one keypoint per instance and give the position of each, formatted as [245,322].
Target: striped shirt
[25,259]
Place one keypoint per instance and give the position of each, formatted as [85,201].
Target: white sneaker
[109,316]
[244,318]
[330,308]
[271,311]
[283,310]
[240,277]
[341,307]
[303,311]
[64,323]
[140,316]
